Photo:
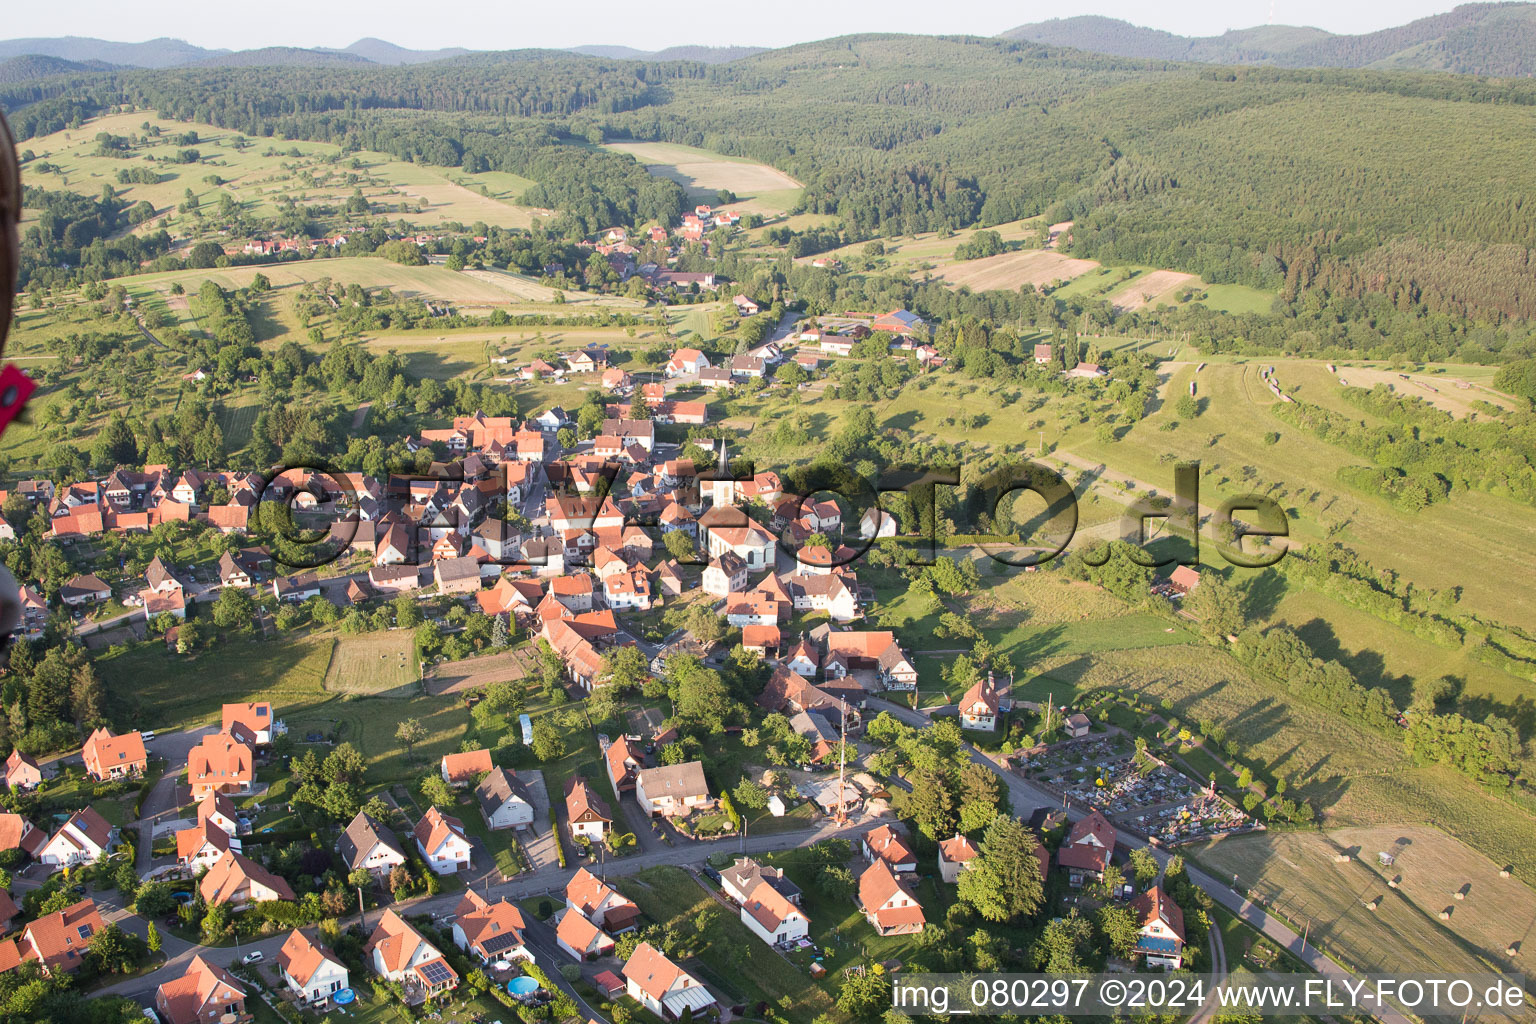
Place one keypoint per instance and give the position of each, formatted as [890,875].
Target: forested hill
[1331,182]
[1473,39]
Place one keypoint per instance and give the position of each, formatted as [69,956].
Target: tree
[548,745]
[681,547]
[865,995]
[114,951]
[750,795]
[407,612]
[836,883]
[436,791]
[410,732]
[1118,927]
[1061,946]
[625,669]
[1004,883]
[1143,866]
[705,626]
[152,937]
[978,797]
[931,806]
[233,609]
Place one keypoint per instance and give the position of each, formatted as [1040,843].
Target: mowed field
[426,282]
[374,663]
[758,187]
[1009,271]
[1296,872]
[1152,289]
[259,173]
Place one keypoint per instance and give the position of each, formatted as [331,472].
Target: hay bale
[1445,915]
[1461,895]
[1341,858]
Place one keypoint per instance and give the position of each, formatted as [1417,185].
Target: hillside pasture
[260,173]
[1439,390]
[1297,873]
[1152,289]
[758,187]
[1010,271]
[374,663]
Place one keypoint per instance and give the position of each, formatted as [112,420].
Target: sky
[521,23]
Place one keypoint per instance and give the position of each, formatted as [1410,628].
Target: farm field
[374,663]
[257,173]
[1010,271]
[1297,873]
[758,187]
[1152,289]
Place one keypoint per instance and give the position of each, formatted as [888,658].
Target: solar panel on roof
[1153,944]
[436,972]
[495,944]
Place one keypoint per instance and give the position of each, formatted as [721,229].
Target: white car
[253,958]
[147,735]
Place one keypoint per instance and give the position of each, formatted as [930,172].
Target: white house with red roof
[1159,929]
[955,855]
[661,986]
[442,842]
[1086,851]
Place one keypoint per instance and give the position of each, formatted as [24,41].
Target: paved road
[1026,795]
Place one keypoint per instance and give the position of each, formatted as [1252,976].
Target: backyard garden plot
[374,663]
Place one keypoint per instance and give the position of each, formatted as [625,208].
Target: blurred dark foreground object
[13,384]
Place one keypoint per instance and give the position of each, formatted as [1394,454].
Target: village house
[82,590]
[232,573]
[114,757]
[158,603]
[662,987]
[311,971]
[1159,929]
[672,790]
[220,810]
[17,833]
[442,842]
[201,846]
[588,814]
[253,723]
[84,838]
[58,941]
[579,938]
[238,881]
[398,952]
[979,707]
[955,855]
[465,768]
[600,904]
[877,523]
[623,763]
[886,844]
[367,845]
[489,931]
[685,361]
[1042,354]
[740,879]
[457,575]
[886,904]
[1077,726]
[504,801]
[773,918]
[205,993]
[869,651]
[220,764]
[725,574]
[1087,850]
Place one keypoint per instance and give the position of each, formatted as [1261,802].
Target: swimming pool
[523,986]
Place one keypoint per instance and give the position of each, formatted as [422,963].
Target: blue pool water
[523,986]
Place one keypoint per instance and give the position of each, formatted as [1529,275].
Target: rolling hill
[155,53]
[1477,39]
[33,66]
[381,51]
[702,54]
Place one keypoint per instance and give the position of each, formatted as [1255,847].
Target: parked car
[253,958]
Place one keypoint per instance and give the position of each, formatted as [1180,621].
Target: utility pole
[842,765]
[362,915]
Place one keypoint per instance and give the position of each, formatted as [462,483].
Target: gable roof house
[490,931]
[114,757]
[17,833]
[600,903]
[504,801]
[220,764]
[442,842]
[1087,849]
[22,772]
[742,877]
[886,844]
[58,940]
[623,762]
[955,855]
[672,790]
[237,880]
[200,847]
[587,813]
[465,768]
[398,952]
[260,724]
[84,838]
[662,987]
[772,917]
[979,707]
[205,992]
[84,590]
[311,971]
[579,938]
[870,651]
[886,904]
[1159,929]
[219,809]
[369,846]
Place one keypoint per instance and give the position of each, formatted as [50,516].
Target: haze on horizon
[292,23]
